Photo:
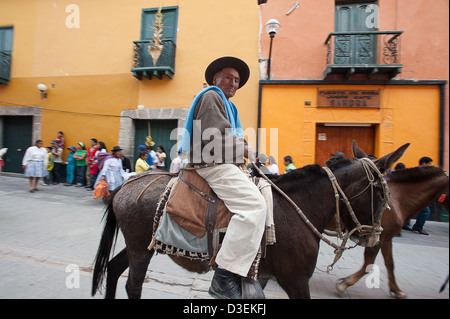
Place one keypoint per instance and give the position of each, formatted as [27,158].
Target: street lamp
[272,27]
[43,88]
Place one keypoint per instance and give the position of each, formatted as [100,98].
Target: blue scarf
[232,115]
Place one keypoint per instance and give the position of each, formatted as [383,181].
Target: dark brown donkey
[291,261]
[411,190]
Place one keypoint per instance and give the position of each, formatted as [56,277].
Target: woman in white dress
[112,171]
[273,167]
[34,164]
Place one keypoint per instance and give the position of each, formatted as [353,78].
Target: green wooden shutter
[354,49]
[6,42]
[170,20]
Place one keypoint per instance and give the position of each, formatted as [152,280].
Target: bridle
[364,230]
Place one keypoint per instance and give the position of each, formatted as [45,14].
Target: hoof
[399,294]
[341,287]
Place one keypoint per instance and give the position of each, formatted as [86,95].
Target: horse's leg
[296,287]
[370,253]
[386,250]
[138,261]
[116,267]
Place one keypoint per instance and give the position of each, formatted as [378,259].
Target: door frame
[128,130]
[35,112]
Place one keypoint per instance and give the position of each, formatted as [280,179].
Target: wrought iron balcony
[363,52]
[5,67]
[143,63]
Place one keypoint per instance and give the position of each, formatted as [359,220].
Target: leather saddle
[195,207]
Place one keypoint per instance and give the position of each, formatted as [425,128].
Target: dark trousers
[80,171]
[92,178]
[58,172]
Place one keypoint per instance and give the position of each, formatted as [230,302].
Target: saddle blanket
[170,238]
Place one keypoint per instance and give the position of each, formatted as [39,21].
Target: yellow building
[93,57]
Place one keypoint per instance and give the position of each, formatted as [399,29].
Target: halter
[375,229]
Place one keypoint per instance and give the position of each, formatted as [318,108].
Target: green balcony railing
[5,67]
[369,52]
[143,63]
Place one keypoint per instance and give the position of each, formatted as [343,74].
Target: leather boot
[225,285]
[251,289]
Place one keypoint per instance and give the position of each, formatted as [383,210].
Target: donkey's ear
[357,151]
[386,162]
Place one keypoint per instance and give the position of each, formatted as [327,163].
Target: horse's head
[365,193]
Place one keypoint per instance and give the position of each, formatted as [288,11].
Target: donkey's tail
[107,242]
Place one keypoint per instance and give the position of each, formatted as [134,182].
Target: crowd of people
[86,166]
[269,166]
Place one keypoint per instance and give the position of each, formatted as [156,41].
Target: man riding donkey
[214,138]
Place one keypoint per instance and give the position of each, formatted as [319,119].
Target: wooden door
[332,139]
[160,131]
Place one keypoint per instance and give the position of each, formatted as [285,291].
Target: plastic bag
[100,190]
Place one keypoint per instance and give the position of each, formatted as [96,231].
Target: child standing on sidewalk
[48,179]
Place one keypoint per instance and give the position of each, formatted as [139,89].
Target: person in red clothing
[92,167]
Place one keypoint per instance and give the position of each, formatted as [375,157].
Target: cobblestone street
[43,234]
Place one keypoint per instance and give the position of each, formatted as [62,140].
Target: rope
[300,212]
[339,249]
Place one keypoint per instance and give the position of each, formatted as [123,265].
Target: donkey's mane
[309,173]
[415,174]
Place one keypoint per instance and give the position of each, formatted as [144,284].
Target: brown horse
[291,260]
[411,190]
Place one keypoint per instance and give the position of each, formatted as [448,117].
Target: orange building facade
[373,71]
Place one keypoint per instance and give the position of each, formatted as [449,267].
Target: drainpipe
[259,116]
[442,124]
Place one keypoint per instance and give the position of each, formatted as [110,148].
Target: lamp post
[272,27]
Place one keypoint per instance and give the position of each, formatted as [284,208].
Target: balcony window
[6,40]
[364,52]
[357,46]
[154,54]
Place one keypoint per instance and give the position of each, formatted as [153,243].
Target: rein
[338,193]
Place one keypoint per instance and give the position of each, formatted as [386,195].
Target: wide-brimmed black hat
[228,62]
[116,148]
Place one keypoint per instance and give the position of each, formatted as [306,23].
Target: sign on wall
[348,98]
